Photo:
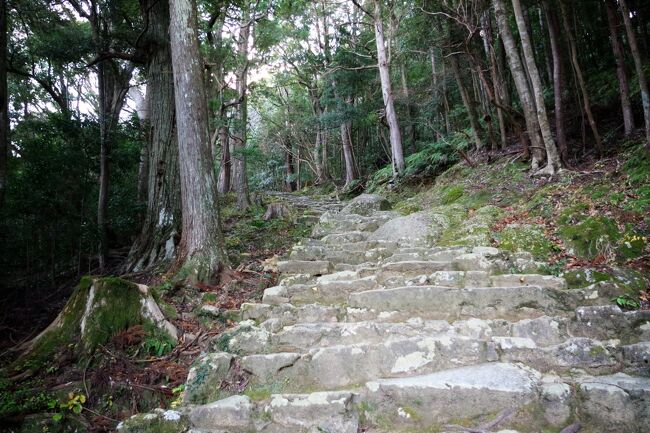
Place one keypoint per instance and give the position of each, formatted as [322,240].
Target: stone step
[281,413]
[308,267]
[321,290]
[338,366]
[341,223]
[333,367]
[615,403]
[455,394]
[435,302]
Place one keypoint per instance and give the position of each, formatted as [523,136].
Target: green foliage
[627,302]
[637,168]
[452,193]
[49,218]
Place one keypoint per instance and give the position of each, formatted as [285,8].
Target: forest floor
[591,224]
[134,372]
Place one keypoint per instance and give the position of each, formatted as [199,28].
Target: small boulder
[366,204]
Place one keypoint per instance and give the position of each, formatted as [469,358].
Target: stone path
[375,329]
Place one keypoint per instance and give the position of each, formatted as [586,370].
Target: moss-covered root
[98,309]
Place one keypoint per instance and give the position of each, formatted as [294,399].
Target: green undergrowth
[247,235]
[596,218]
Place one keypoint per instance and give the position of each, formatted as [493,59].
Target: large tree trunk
[581,81]
[161,225]
[201,247]
[4,103]
[497,79]
[113,85]
[348,157]
[387,92]
[553,163]
[240,177]
[410,114]
[636,55]
[226,160]
[623,83]
[469,103]
[521,82]
[290,177]
[558,79]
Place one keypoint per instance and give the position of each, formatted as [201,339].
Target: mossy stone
[525,237]
[578,278]
[159,421]
[590,237]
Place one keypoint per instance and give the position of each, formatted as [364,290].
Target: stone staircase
[373,328]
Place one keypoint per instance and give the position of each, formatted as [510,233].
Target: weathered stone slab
[457,393]
[309,267]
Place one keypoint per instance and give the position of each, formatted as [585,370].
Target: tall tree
[613,22]
[521,82]
[638,63]
[240,177]
[201,246]
[161,225]
[4,102]
[558,79]
[468,102]
[553,163]
[397,152]
[586,104]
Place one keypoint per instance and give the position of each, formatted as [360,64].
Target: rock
[444,395]
[231,414]
[316,412]
[158,421]
[267,366]
[638,355]
[441,302]
[549,281]
[544,331]
[275,295]
[315,267]
[366,204]
[556,402]
[210,311]
[205,376]
[413,229]
[616,403]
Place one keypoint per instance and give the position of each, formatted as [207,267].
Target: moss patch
[525,237]
[577,278]
[591,237]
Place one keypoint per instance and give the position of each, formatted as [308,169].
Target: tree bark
[225,168]
[289,180]
[558,79]
[469,103]
[497,79]
[346,141]
[623,83]
[240,177]
[387,92]
[200,252]
[157,239]
[410,123]
[553,163]
[636,55]
[581,81]
[4,103]
[521,82]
